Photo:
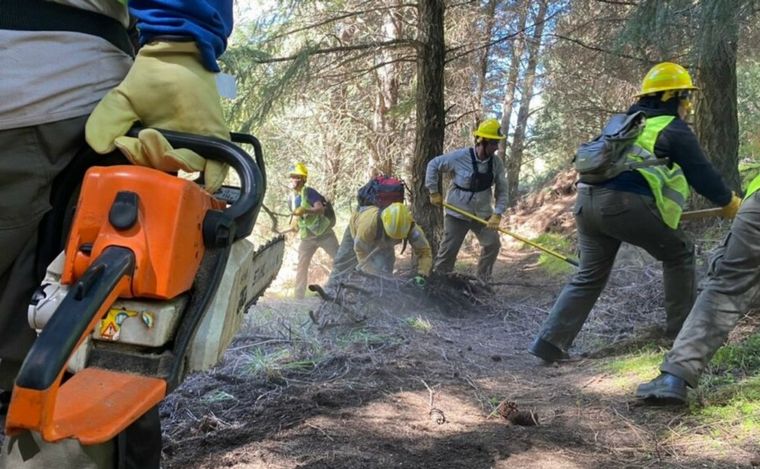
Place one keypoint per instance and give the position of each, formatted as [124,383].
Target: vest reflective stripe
[668,184]
[753,187]
[312,224]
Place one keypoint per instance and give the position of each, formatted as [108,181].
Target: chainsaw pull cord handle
[251,172]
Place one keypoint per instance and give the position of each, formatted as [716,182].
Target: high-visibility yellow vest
[310,224]
[667,182]
[753,187]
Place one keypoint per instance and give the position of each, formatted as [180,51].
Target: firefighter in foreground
[641,207]
[475,170]
[65,59]
[309,220]
[376,232]
[732,283]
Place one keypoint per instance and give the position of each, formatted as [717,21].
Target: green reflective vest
[310,224]
[753,187]
[667,183]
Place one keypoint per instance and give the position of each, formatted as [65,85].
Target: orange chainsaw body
[159,218]
[167,239]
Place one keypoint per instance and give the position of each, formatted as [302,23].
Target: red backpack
[381,191]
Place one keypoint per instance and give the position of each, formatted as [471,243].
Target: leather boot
[547,351]
[665,389]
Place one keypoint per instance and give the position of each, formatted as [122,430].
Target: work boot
[664,389]
[546,351]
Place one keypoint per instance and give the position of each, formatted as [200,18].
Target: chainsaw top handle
[241,215]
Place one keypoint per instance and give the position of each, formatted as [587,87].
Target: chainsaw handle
[244,210]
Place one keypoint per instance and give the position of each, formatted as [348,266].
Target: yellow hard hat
[489,129]
[666,76]
[397,220]
[299,169]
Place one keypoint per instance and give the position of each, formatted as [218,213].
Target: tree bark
[515,59]
[514,161]
[716,120]
[490,11]
[386,97]
[431,54]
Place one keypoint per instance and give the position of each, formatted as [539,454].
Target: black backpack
[604,157]
[329,211]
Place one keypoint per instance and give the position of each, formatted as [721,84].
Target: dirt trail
[363,399]
[287,396]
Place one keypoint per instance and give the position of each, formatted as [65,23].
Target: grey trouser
[605,218]
[344,262]
[306,249]
[732,284]
[30,158]
[454,231]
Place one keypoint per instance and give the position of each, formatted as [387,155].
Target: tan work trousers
[306,250]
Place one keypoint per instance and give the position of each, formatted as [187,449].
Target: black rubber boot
[547,351]
[665,389]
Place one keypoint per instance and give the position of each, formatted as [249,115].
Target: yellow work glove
[436,199]
[166,88]
[299,211]
[493,222]
[729,210]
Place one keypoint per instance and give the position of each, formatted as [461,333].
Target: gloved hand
[729,210]
[299,211]
[493,222]
[419,281]
[166,88]
[436,199]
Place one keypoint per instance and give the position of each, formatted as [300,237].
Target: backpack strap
[380,231]
[39,15]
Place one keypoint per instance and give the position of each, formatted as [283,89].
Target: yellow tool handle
[705,213]
[516,236]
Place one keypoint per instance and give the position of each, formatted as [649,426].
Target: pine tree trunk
[489,19]
[515,59]
[514,161]
[431,53]
[716,121]
[386,97]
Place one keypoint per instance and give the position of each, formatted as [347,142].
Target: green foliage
[743,357]
[272,365]
[641,365]
[217,396]
[730,387]
[363,337]
[559,244]
[735,404]
[419,323]
[748,107]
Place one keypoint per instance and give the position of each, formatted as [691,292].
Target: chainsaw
[152,285]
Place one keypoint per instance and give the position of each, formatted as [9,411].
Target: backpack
[605,156]
[381,191]
[329,211]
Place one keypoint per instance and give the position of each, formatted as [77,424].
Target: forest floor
[418,389]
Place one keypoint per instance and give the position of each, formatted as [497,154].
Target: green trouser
[732,284]
[606,218]
[344,262]
[454,231]
[306,249]
[30,159]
